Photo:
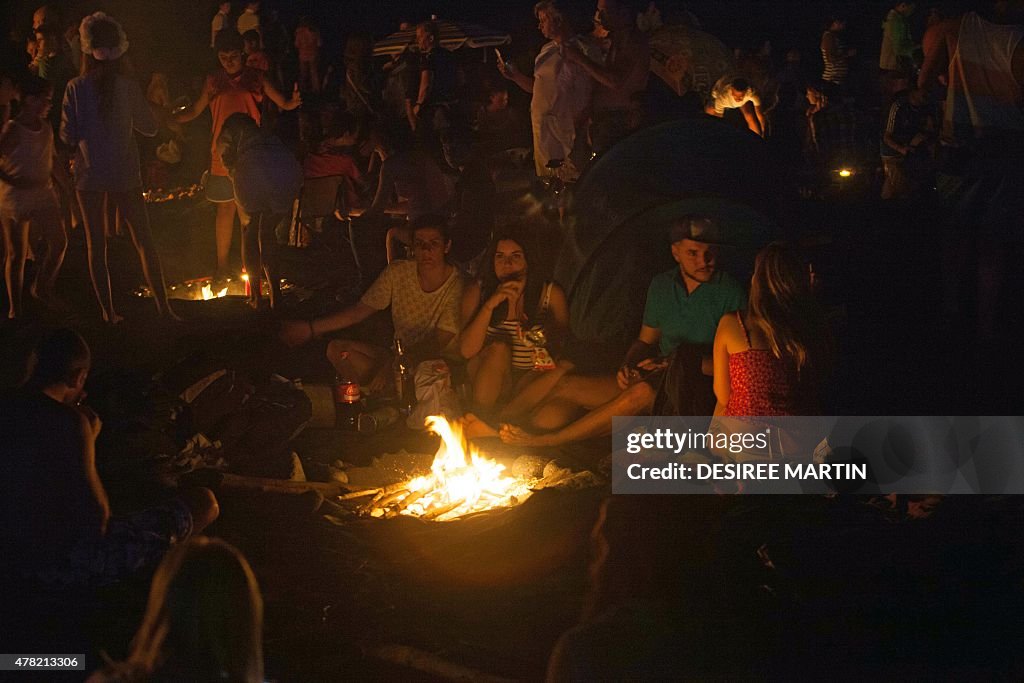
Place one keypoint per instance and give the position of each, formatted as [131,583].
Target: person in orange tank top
[234,89]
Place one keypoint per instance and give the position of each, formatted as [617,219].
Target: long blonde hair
[783,308]
[204,617]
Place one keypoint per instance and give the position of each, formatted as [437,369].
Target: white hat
[102,54]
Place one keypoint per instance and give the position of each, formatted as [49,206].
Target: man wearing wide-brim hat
[672,353]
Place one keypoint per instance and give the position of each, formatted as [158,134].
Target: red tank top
[241,93]
[760,383]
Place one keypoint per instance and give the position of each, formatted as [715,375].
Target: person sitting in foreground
[58,530]
[683,308]
[653,569]
[203,621]
[424,296]
[516,320]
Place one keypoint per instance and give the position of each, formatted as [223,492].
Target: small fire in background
[461,481]
[202,289]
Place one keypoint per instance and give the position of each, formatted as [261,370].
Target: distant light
[245,277]
[845,173]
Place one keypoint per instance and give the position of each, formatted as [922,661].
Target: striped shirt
[512,333]
[837,65]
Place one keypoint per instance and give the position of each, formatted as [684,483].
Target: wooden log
[443,510]
[391,498]
[411,498]
[426,662]
[358,494]
[265,485]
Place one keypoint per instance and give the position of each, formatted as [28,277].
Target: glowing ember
[461,481]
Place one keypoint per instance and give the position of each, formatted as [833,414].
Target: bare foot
[113,318]
[516,435]
[475,428]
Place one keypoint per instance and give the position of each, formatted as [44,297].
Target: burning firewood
[434,513]
[359,494]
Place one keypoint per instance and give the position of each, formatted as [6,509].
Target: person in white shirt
[736,93]
[561,90]
[249,20]
[219,22]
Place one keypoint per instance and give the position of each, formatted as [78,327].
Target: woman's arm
[474,334]
[511,73]
[277,98]
[721,362]
[557,328]
[198,106]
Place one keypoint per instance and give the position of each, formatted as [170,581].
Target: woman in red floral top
[770,360]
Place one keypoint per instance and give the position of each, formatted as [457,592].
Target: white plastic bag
[434,394]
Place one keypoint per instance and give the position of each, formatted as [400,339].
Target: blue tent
[624,205]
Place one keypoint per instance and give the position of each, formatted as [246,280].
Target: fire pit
[463,481]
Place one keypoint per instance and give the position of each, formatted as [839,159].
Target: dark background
[174,34]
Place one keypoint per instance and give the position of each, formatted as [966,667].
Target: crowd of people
[423,136]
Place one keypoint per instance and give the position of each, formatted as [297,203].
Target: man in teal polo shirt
[682,312]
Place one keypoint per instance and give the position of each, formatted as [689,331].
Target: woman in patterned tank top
[505,313]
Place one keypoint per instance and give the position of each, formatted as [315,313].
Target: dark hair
[250,36]
[740,83]
[228,40]
[105,34]
[660,548]
[58,356]
[432,222]
[34,86]
[535,271]
[431,28]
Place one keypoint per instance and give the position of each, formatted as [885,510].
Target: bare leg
[50,228]
[251,258]
[268,254]
[536,388]
[488,371]
[131,206]
[356,360]
[225,230]
[15,254]
[474,428]
[635,400]
[571,394]
[94,215]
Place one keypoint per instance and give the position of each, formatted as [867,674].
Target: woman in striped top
[505,311]
[834,52]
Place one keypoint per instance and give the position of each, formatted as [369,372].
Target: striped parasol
[454,34]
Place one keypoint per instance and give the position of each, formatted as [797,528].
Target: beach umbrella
[454,34]
[688,59]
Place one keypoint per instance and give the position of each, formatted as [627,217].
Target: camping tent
[454,35]
[624,204]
